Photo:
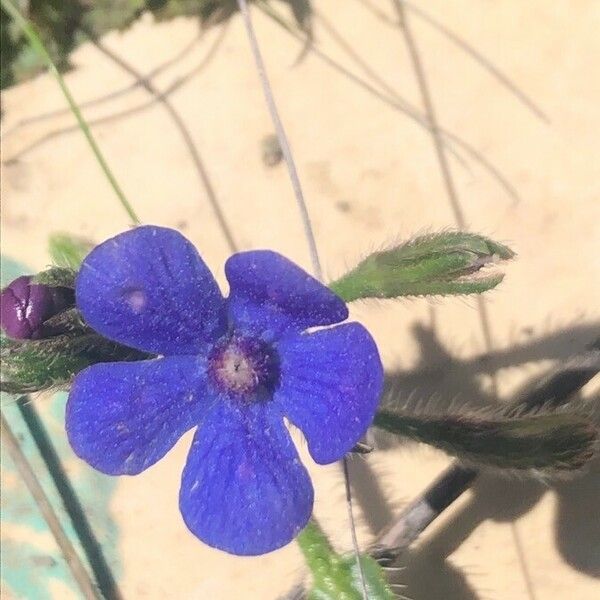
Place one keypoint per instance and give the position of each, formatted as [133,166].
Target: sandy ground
[370,176]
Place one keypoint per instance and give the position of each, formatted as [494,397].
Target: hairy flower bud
[25,306]
[450,262]
[35,365]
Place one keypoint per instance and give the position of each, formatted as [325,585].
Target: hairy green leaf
[336,576]
[546,443]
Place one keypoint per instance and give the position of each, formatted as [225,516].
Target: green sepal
[447,263]
[68,251]
[545,443]
[336,576]
[56,277]
[38,365]
[66,321]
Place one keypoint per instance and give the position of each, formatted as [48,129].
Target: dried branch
[419,514]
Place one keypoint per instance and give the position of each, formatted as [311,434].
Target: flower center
[244,366]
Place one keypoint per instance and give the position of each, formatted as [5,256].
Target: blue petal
[330,385]
[270,294]
[123,417]
[149,289]
[244,489]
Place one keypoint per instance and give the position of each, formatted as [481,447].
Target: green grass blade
[38,46]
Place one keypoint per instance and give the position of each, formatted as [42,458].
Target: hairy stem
[457,479]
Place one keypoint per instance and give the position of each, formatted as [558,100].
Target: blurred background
[403,118]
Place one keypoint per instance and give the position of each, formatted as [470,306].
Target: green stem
[336,576]
[331,576]
[38,46]
[316,548]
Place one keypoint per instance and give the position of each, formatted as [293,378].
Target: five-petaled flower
[234,368]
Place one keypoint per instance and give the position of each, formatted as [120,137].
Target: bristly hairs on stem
[455,204]
[38,46]
[308,230]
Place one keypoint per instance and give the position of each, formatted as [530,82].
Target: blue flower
[234,368]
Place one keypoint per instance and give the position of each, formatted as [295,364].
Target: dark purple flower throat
[245,367]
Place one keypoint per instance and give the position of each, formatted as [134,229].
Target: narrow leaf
[545,442]
[37,45]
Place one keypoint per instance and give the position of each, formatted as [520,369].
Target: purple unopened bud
[24,306]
